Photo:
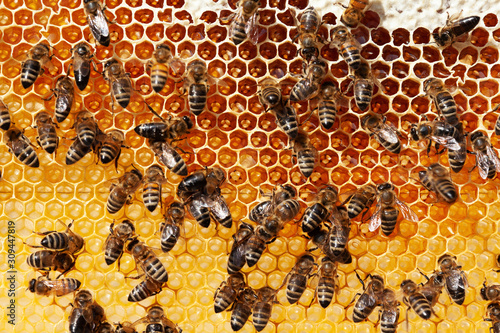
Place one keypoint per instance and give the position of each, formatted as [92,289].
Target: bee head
[32,285]
[476,135]
[385,186]
[188,121]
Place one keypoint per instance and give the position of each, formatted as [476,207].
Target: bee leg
[423,274]
[67,270]
[354,298]
[361,280]
[134,277]
[107,20]
[50,96]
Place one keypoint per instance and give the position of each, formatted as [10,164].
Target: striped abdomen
[197,97]
[420,305]
[236,259]
[113,250]
[116,200]
[76,152]
[173,160]
[29,72]
[456,158]
[64,101]
[338,239]
[47,137]
[307,161]
[27,155]
[4,119]
[86,134]
[394,148]
[224,298]
[363,307]
[327,112]
[154,268]
[261,315]
[288,123]
[363,91]
[389,321]
[295,287]
[303,90]
[356,205]
[108,152]
[447,107]
[219,211]
[144,290]
[240,315]
[445,188]
[55,241]
[313,216]
[351,55]
[159,76]
[389,217]
[237,30]
[358,4]
[199,211]
[326,290]
[155,328]
[82,73]
[254,249]
[169,236]
[151,195]
[121,89]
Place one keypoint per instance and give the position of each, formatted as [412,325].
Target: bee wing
[78,66]
[483,164]
[176,65]
[388,133]
[446,141]
[342,101]
[376,219]
[98,24]
[408,214]
[253,30]
[493,156]
[169,156]
[218,207]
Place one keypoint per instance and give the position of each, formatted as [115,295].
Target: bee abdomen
[356,205]
[307,161]
[224,298]
[139,293]
[261,315]
[254,249]
[197,98]
[327,113]
[446,104]
[313,216]
[121,92]
[295,288]
[388,324]
[351,55]
[108,153]
[115,203]
[458,295]
[151,196]
[49,142]
[86,135]
[68,286]
[155,269]
[361,310]
[29,157]
[420,305]
[237,31]
[446,189]
[81,79]
[239,316]
[325,291]
[4,120]
[394,148]
[159,76]
[389,219]
[62,108]
[55,241]
[289,125]
[168,243]
[201,214]
[363,91]
[465,25]
[29,72]
[111,255]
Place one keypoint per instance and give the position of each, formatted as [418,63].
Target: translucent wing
[78,65]
[493,157]
[253,30]
[171,158]
[376,219]
[176,65]
[388,133]
[98,24]
[408,214]
[446,141]
[218,208]
[482,164]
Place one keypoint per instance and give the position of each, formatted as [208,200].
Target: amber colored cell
[226,86]
[470,121]
[479,104]
[277,33]
[267,17]
[400,69]
[257,68]
[495,71]
[390,53]
[328,158]
[490,20]
[391,86]
[469,87]
[361,34]
[370,51]
[340,69]
[380,104]
[278,175]
[411,53]
[277,69]
[196,32]
[238,139]
[440,71]
[479,37]
[176,32]
[207,51]
[431,54]
[268,50]
[421,36]
[410,88]
[488,88]
[468,55]
[247,50]
[450,55]
[23,17]
[155,32]
[380,36]
[380,69]
[478,71]
[13,35]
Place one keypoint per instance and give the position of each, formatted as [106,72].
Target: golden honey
[235,133]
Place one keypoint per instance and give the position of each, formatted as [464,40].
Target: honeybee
[110,145]
[317,213]
[387,210]
[82,57]
[47,137]
[147,260]
[158,66]
[456,158]
[237,259]
[308,87]
[339,231]
[119,80]
[202,207]
[242,308]
[147,288]
[198,208]
[4,116]
[166,129]
[97,20]
[66,241]
[125,327]
[455,279]
[244,21]
[305,153]
[21,147]
[205,181]
[196,86]
[444,102]
[46,287]
[361,199]
[369,299]
[330,97]
[307,33]
[113,247]
[51,260]
[270,97]
[86,128]
[363,82]
[486,158]
[348,47]
[297,278]
[86,314]
[123,190]
[153,180]
[320,237]
[420,298]
[354,12]
[438,131]
[65,94]
[37,57]
[491,292]
[454,28]
[169,157]
[157,322]
[76,151]
[105,327]
[385,133]
[228,290]
[170,229]
[436,178]
[493,312]
[263,308]
[280,194]
[327,283]
[390,312]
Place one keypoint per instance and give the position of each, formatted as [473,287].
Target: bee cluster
[218,126]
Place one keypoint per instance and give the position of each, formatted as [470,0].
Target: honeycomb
[236,134]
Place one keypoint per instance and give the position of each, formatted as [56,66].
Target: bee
[51,260]
[196,86]
[166,129]
[348,47]
[147,261]
[65,94]
[363,82]
[279,195]
[97,20]
[439,132]
[76,151]
[158,66]
[169,157]
[46,287]
[125,327]
[147,288]
[228,291]
[237,258]
[297,278]
[390,312]
[455,279]
[21,147]
[354,13]
[123,190]
[110,145]
[307,33]
[436,178]
[66,241]
[308,87]
[5,120]
[330,97]
[242,308]
[272,100]
[444,102]
[361,199]
[121,85]
[493,312]
[113,247]
[456,158]
[486,158]
[38,56]
[153,180]
[454,28]
[198,208]
[490,293]
[157,322]
[244,21]
[47,136]
[105,328]
[317,213]
[82,57]
[415,299]
[327,283]
[387,210]
[86,314]
[219,210]
[305,153]
[386,134]
[339,231]
[86,128]
[205,181]
[263,308]
[170,229]
[369,299]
